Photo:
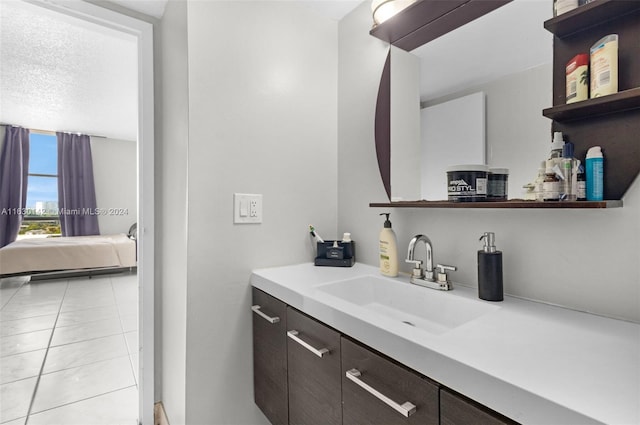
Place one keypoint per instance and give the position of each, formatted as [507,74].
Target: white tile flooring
[68,351]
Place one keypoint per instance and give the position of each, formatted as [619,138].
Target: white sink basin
[427,309]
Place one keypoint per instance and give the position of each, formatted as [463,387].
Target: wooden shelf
[426,20]
[514,203]
[618,102]
[588,15]
[613,121]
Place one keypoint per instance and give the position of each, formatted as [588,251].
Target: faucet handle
[442,272]
[443,268]
[417,268]
[416,263]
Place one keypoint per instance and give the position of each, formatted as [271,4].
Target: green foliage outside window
[40,228]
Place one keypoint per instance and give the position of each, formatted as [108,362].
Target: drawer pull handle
[256,309]
[406,409]
[294,336]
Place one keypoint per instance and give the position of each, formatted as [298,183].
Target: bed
[42,255]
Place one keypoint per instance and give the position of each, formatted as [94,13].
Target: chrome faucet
[428,272]
[426,277]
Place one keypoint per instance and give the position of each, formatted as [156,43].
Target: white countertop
[535,363]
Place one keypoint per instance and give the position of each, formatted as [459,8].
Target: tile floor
[68,351]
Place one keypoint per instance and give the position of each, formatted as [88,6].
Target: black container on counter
[342,256]
[490,286]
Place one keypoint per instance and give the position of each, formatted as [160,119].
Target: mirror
[506,55]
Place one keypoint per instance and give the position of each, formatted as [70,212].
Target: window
[41,218]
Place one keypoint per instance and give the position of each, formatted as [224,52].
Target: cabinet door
[458,410]
[314,371]
[270,357]
[376,390]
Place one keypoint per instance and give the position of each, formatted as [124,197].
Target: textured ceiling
[63,74]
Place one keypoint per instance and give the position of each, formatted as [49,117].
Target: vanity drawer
[376,390]
[270,357]
[314,371]
[459,410]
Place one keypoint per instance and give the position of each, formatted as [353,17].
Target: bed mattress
[67,253]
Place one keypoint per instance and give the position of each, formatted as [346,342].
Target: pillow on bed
[133,231]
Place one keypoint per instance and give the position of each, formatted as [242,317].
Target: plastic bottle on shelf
[568,190]
[581,183]
[539,182]
[551,185]
[595,174]
[557,144]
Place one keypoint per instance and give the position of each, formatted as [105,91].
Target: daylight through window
[41,218]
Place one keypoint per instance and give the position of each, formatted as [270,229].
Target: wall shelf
[618,102]
[512,204]
[426,20]
[612,121]
[588,15]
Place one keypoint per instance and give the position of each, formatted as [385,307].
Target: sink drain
[408,323]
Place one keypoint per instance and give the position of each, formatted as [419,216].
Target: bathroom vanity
[347,346]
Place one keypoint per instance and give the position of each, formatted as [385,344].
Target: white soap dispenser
[388,250]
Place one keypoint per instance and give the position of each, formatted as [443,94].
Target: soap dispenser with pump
[388,250]
[490,270]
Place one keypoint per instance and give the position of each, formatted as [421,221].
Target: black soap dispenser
[490,270]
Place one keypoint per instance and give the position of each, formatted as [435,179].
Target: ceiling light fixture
[385,9]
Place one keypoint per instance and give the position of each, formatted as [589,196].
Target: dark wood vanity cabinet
[389,380]
[307,373]
[313,351]
[458,410]
[270,357]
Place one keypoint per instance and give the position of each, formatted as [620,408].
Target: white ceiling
[60,73]
[506,41]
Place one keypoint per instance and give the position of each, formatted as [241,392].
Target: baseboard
[159,415]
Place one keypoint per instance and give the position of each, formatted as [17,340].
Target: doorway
[142,32]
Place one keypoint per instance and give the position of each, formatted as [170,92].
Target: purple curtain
[14,170]
[76,188]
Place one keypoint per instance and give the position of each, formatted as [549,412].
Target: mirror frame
[382,129]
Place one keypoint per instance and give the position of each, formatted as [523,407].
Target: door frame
[143,31]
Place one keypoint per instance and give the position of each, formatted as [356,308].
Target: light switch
[247,208]
[243,208]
